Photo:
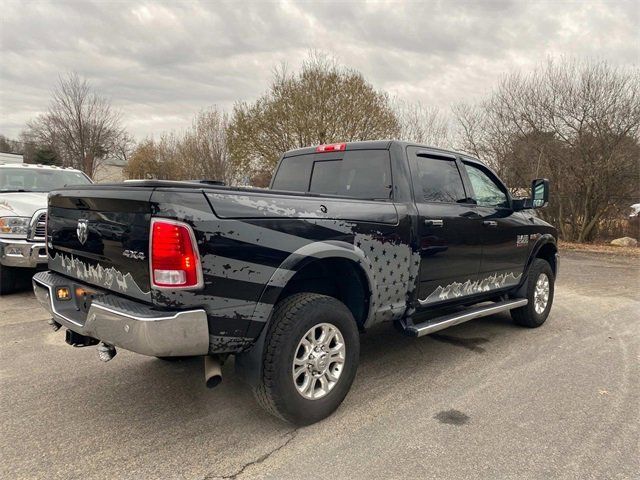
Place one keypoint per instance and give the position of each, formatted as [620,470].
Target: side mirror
[539,196]
[539,193]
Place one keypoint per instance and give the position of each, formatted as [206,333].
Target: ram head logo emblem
[82,230]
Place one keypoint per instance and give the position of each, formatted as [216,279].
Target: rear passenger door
[448,227]
[504,251]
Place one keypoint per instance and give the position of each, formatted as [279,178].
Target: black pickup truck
[285,279]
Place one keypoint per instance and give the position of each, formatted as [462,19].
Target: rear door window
[363,174]
[436,179]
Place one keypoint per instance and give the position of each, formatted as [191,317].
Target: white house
[110,170]
[11,158]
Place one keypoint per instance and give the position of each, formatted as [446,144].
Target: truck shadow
[21,280]
[173,394]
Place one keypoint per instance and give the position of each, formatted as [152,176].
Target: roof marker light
[331,147]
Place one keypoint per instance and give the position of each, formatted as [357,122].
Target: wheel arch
[314,268]
[545,248]
[315,265]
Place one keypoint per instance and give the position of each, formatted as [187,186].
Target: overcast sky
[162,62]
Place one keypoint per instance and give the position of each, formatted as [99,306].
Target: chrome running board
[439,323]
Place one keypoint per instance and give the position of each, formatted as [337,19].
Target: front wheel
[7,279]
[310,358]
[539,290]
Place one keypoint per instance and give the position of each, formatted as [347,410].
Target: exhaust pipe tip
[106,352]
[212,371]
[214,381]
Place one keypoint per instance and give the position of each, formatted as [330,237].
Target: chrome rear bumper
[120,322]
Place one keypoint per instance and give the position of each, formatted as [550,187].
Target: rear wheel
[310,359]
[539,291]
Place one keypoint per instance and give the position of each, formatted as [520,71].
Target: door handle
[432,222]
[490,223]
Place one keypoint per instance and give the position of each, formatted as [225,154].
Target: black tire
[527,316]
[15,279]
[7,280]
[292,318]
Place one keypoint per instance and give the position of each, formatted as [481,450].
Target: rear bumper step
[440,323]
[120,322]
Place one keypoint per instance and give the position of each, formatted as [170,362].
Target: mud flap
[248,364]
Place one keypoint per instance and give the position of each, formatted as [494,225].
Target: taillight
[175,262]
[332,147]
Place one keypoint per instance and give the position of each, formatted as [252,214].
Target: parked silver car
[23,210]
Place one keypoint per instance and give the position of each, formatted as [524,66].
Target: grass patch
[600,248]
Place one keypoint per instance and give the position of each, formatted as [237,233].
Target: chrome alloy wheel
[318,361]
[541,294]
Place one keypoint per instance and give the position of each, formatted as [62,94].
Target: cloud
[160,62]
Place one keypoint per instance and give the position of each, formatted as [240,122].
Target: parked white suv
[23,210]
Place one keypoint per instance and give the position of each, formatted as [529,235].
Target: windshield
[38,180]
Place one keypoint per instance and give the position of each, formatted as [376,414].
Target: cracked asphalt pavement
[485,399]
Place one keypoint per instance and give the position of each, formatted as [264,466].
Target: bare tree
[144,162]
[422,124]
[323,103]
[204,147]
[159,159]
[80,126]
[199,153]
[577,123]
[123,146]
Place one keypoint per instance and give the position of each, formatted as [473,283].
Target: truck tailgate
[100,236]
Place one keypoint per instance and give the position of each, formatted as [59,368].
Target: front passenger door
[504,251]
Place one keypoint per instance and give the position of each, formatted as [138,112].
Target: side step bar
[440,323]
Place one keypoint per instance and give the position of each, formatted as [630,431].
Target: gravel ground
[484,399]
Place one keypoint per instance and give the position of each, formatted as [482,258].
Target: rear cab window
[361,174]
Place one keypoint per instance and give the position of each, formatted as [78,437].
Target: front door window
[487,192]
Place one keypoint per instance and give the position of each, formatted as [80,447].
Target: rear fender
[248,364]
[318,251]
